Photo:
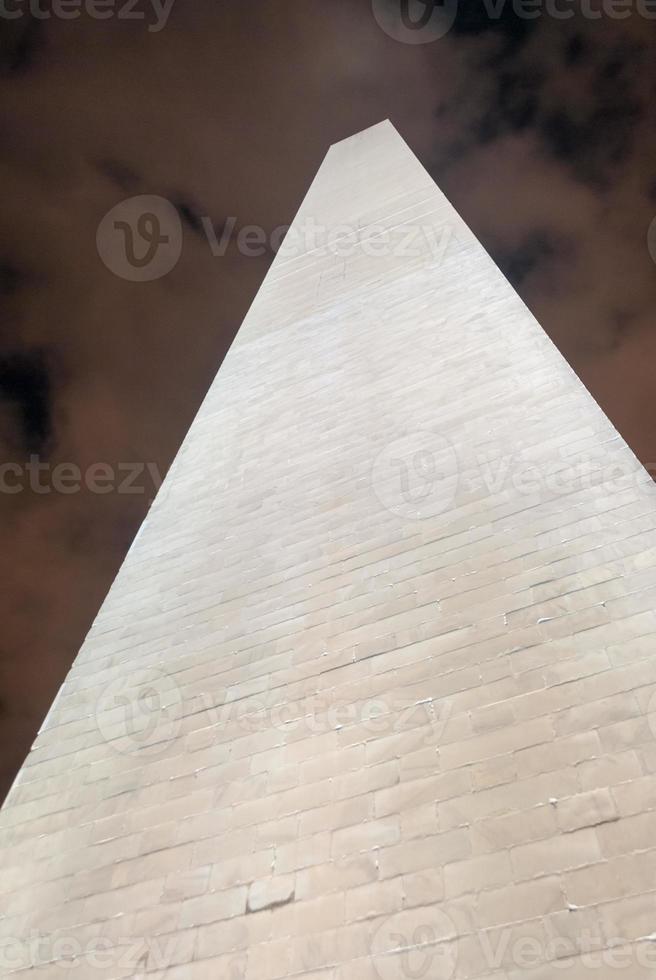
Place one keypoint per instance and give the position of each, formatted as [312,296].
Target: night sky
[540,131]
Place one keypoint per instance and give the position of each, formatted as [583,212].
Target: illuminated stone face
[373,693]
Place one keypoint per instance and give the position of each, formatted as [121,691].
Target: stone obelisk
[372,696]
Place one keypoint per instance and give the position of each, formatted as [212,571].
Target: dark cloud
[497,20]
[25,386]
[192,216]
[620,324]
[122,175]
[530,255]
[21,41]
[515,104]
[594,135]
[585,120]
[577,49]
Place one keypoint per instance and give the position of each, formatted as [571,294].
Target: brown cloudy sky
[541,131]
